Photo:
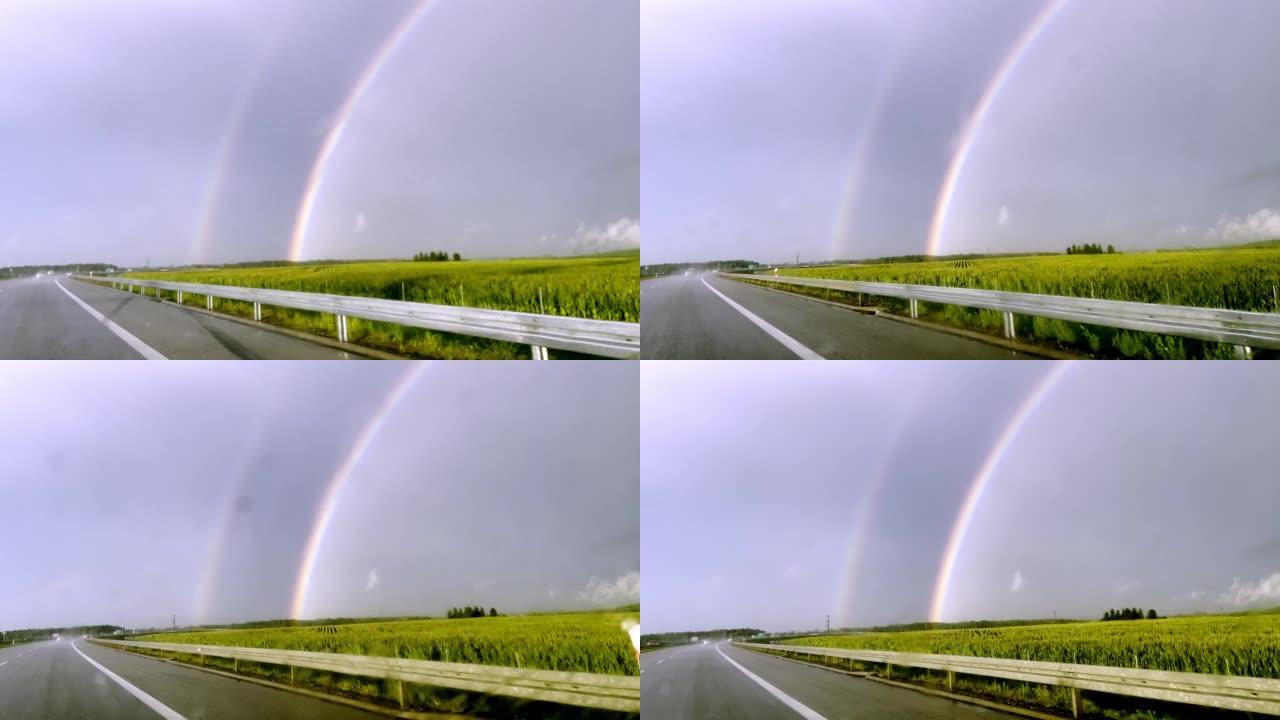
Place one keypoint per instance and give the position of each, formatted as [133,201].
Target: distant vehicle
[686,273]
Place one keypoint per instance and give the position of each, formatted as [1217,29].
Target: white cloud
[1017,581]
[1003,217]
[1266,589]
[1195,594]
[372,582]
[1261,225]
[360,221]
[621,234]
[621,591]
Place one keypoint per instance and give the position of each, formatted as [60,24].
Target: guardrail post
[915,308]
[208,302]
[1244,352]
[400,692]
[290,674]
[257,311]
[341,320]
[539,352]
[179,297]
[235,665]
[1008,325]
[951,681]
[1077,702]
[888,670]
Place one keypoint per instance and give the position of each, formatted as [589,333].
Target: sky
[772,496]
[193,131]
[130,494]
[841,130]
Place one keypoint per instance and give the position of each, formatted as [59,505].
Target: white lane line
[163,710]
[2,664]
[142,348]
[661,661]
[791,343]
[805,711]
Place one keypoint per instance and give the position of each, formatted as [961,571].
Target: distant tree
[1151,614]
[457,257]
[1111,249]
[493,612]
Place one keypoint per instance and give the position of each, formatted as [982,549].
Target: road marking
[661,661]
[163,710]
[805,711]
[2,664]
[791,343]
[142,348]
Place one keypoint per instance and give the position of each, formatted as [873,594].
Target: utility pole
[797,257]
[828,624]
[175,621]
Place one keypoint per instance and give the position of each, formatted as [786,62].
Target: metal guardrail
[605,338]
[1226,692]
[1245,330]
[607,692]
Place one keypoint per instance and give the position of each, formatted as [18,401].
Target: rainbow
[974,123]
[857,538]
[314,178]
[963,519]
[329,502]
[849,191]
[204,222]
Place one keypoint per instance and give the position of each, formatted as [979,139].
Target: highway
[707,317]
[54,318]
[716,681]
[58,680]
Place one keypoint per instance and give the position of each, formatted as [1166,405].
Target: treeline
[1129,614]
[26,634]
[1090,249]
[470,612]
[964,625]
[22,270]
[435,256]
[673,268]
[675,638]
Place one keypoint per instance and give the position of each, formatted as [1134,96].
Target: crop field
[1247,645]
[1246,278]
[1219,644]
[601,287]
[578,642]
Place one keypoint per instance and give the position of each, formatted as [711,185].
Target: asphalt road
[41,320]
[702,682]
[52,681]
[694,317]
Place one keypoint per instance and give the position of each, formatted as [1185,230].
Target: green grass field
[1247,644]
[1244,278]
[602,287]
[576,642]
[1218,644]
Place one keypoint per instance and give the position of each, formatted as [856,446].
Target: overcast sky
[132,493]
[827,128]
[186,130]
[772,496]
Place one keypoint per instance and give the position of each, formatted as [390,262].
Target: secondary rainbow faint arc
[963,519]
[314,178]
[974,124]
[213,193]
[857,538]
[333,490]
